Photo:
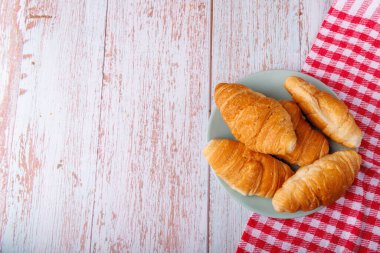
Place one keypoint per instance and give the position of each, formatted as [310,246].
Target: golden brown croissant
[311,144]
[325,111]
[320,183]
[261,123]
[246,171]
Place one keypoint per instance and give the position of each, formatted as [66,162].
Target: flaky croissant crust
[326,112]
[311,144]
[261,123]
[320,183]
[246,171]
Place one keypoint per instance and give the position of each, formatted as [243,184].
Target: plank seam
[99,124]
[209,113]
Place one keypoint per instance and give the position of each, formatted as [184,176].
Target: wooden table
[103,114]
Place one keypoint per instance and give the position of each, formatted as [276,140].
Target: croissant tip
[294,78]
[290,79]
[355,141]
[294,81]
[276,205]
[220,85]
[206,149]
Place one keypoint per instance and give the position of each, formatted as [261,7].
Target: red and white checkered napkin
[345,56]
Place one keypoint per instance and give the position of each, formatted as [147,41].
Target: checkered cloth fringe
[346,57]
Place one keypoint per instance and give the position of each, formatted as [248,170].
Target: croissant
[325,111]
[261,123]
[244,170]
[311,144]
[320,183]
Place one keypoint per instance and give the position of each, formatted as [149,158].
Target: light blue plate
[270,83]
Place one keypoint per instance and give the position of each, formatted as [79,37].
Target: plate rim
[278,215]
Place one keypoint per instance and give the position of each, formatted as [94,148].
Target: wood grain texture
[103,115]
[51,181]
[248,36]
[11,42]
[312,14]
[152,182]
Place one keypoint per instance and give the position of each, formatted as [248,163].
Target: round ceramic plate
[270,83]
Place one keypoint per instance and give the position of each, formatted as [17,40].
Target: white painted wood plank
[154,117]
[11,42]
[152,180]
[312,14]
[248,36]
[51,182]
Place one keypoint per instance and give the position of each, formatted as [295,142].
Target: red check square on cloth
[345,56]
